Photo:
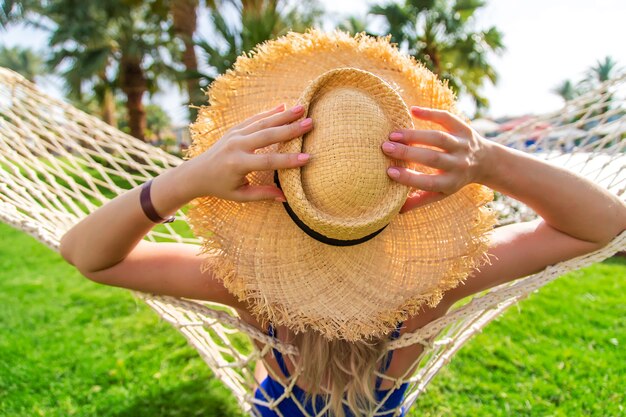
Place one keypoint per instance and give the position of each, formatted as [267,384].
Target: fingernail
[303,157]
[396,136]
[297,109]
[280,107]
[281,199]
[306,122]
[388,147]
[417,110]
[393,172]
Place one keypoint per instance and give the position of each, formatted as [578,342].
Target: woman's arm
[106,236]
[106,245]
[577,216]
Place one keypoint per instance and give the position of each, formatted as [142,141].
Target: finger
[449,121]
[277,134]
[260,192]
[440,183]
[421,199]
[259,116]
[424,156]
[276,119]
[274,161]
[438,138]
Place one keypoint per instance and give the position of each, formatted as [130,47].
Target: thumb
[260,192]
[421,198]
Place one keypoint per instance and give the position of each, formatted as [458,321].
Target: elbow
[617,227]
[605,230]
[65,249]
[95,277]
[88,274]
[608,238]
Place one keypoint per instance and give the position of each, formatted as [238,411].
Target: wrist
[184,180]
[194,179]
[145,199]
[493,158]
[169,192]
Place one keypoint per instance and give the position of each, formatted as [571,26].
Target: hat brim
[355,292]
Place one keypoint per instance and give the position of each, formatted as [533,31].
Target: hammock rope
[57,164]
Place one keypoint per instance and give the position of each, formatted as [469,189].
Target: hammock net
[57,164]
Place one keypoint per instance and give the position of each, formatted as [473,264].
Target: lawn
[71,347]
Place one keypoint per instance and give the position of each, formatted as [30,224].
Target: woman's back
[273,387]
[402,363]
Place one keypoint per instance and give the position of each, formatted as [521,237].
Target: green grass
[71,347]
[559,353]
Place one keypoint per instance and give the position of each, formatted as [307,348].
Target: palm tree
[603,71]
[439,33]
[10,11]
[256,21]
[184,25]
[353,25]
[22,60]
[25,61]
[15,11]
[110,45]
[158,120]
[82,48]
[567,90]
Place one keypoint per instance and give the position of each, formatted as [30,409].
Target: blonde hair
[345,369]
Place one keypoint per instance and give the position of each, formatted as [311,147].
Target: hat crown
[344,193]
[336,180]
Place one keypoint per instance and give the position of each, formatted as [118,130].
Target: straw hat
[336,258]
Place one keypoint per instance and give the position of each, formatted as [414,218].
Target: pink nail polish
[306,122]
[396,136]
[280,199]
[280,107]
[388,147]
[393,172]
[297,109]
[303,157]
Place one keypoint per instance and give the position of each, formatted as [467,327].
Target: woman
[337,357]
[107,246]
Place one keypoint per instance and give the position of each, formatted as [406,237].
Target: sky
[547,42]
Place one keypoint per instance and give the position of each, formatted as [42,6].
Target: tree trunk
[108,107]
[185,21]
[433,55]
[134,85]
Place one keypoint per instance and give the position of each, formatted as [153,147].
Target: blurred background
[139,64]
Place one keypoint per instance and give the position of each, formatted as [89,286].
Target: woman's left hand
[459,158]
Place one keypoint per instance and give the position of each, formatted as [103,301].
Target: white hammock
[58,164]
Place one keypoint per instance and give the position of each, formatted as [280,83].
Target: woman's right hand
[221,171]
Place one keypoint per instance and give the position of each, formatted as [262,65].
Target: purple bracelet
[148,208]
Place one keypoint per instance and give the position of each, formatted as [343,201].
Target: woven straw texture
[344,192]
[355,292]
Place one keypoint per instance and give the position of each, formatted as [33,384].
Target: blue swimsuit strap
[385,365]
[278,355]
[388,356]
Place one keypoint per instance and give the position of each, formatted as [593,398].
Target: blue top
[288,407]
